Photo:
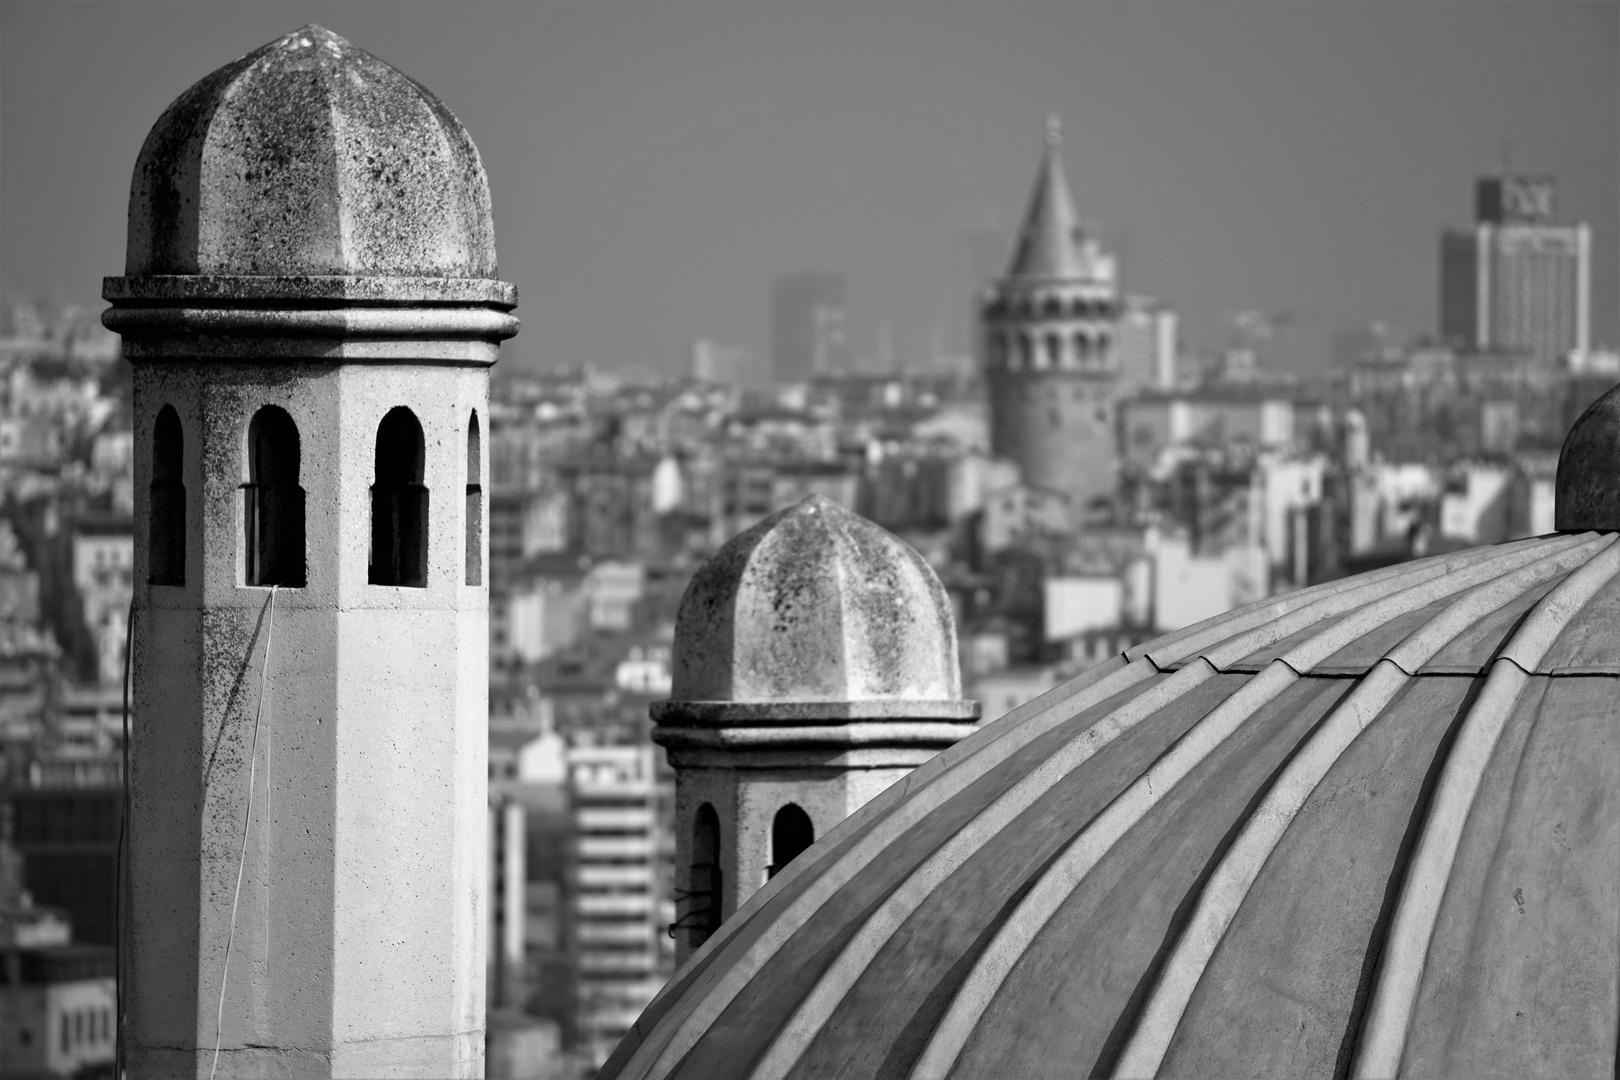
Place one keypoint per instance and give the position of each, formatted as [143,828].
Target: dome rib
[1229,886]
[1389,1013]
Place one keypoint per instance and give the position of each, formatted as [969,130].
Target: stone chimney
[311,307]
[815,665]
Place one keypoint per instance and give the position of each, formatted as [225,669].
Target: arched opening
[1082,346]
[475,504]
[1026,350]
[399,504]
[273,502]
[1054,349]
[702,916]
[791,833]
[166,508]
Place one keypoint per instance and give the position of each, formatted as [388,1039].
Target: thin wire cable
[247,820]
[120,904]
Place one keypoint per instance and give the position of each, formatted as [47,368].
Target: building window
[1082,347]
[475,505]
[399,504]
[1054,350]
[273,502]
[791,833]
[1026,350]
[166,508]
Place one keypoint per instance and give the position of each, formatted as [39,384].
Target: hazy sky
[653,164]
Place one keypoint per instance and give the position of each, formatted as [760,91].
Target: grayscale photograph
[887,540]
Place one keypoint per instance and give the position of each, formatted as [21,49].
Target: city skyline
[652,174]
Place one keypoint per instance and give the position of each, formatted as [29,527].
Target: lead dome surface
[1364,828]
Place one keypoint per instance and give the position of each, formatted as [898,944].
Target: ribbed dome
[1370,826]
[816,604]
[309,157]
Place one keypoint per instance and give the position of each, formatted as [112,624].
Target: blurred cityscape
[1082,478]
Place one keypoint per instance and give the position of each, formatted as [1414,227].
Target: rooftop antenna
[1054,129]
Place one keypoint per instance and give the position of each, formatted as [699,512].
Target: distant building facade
[1147,344]
[1515,280]
[717,362]
[808,335]
[618,916]
[1050,351]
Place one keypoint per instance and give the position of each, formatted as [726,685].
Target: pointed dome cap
[1049,241]
[818,609]
[1588,485]
[311,157]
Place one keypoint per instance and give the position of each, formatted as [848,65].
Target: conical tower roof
[1049,241]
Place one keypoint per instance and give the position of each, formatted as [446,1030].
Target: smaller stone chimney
[815,665]
[1586,491]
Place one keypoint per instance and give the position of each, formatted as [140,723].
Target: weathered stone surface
[815,666]
[1588,485]
[309,232]
[817,604]
[309,156]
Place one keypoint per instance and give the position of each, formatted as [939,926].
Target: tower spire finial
[1054,128]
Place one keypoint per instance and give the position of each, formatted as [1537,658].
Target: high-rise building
[1050,351]
[618,915]
[1146,343]
[808,336]
[1516,281]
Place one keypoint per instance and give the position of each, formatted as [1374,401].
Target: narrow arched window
[1026,350]
[1082,346]
[273,502]
[791,833]
[475,504]
[399,504]
[1054,350]
[166,508]
[703,913]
